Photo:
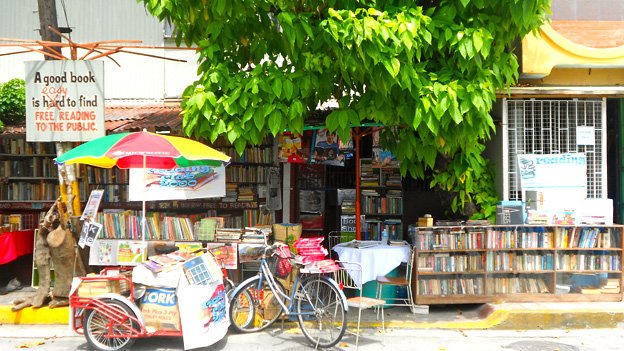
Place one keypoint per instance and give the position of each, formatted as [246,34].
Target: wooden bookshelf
[522,263]
[29,183]
[381,200]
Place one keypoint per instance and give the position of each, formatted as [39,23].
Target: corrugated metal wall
[90,20]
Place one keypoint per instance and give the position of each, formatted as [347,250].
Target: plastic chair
[345,277]
[402,281]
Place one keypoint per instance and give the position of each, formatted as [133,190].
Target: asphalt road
[55,338]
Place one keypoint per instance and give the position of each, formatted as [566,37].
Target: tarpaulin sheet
[16,244]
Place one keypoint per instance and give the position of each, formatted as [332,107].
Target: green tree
[13,101]
[429,67]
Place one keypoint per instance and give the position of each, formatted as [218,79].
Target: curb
[29,315]
[492,316]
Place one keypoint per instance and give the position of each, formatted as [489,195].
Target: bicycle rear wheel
[254,308]
[321,311]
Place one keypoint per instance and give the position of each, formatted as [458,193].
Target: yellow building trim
[543,51]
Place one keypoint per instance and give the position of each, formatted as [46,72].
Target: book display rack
[478,264]
[381,200]
[29,184]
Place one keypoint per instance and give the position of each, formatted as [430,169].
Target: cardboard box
[287,233]
[510,212]
[425,221]
[93,288]
[159,307]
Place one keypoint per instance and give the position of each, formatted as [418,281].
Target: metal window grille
[548,126]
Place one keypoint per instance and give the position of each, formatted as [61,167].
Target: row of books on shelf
[441,239]
[427,240]
[126,224]
[519,261]
[21,191]
[382,204]
[374,228]
[586,238]
[245,174]
[450,263]
[96,175]
[451,286]
[518,285]
[19,146]
[30,167]
[250,155]
[589,262]
[112,192]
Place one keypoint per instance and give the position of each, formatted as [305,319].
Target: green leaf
[277,87]
[275,122]
[210,96]
[258,118]
[288,89]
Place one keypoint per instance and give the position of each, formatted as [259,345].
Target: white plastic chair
[403,281]
[345,277]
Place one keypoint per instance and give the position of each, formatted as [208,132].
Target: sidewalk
[496,316]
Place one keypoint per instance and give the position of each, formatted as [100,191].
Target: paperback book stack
[231,192]
[228,235]
[257,235]
[246,194]
[166,262]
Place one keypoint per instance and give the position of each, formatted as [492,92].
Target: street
[56,338]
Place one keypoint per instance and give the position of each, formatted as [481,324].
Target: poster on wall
[274,189]
[294,148]
[64,100]
[381,156]
[329,150]
[176,184]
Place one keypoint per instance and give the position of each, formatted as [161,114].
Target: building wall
[133,77]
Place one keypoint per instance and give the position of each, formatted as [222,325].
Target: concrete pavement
[495,316]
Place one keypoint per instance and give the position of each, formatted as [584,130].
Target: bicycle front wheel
[321,312]
[254,308]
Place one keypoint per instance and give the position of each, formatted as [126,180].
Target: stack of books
[231,192]
[166,262]
[246,194]
[228,235]
[257,235]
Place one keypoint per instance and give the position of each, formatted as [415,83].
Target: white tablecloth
[375,261]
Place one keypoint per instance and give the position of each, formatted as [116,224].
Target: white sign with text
[64,100]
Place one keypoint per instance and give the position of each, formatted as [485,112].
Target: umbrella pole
[143,219]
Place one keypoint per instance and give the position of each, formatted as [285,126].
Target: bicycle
[315,300]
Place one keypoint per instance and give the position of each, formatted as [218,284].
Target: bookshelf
[29,185]
[381,200]
[479,264]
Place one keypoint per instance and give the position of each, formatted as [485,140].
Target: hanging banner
[64,100]
[554,171]
[176,184]
[274,187]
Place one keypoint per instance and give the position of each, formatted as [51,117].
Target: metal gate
[532,126]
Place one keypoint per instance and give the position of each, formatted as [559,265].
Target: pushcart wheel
[110,329]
